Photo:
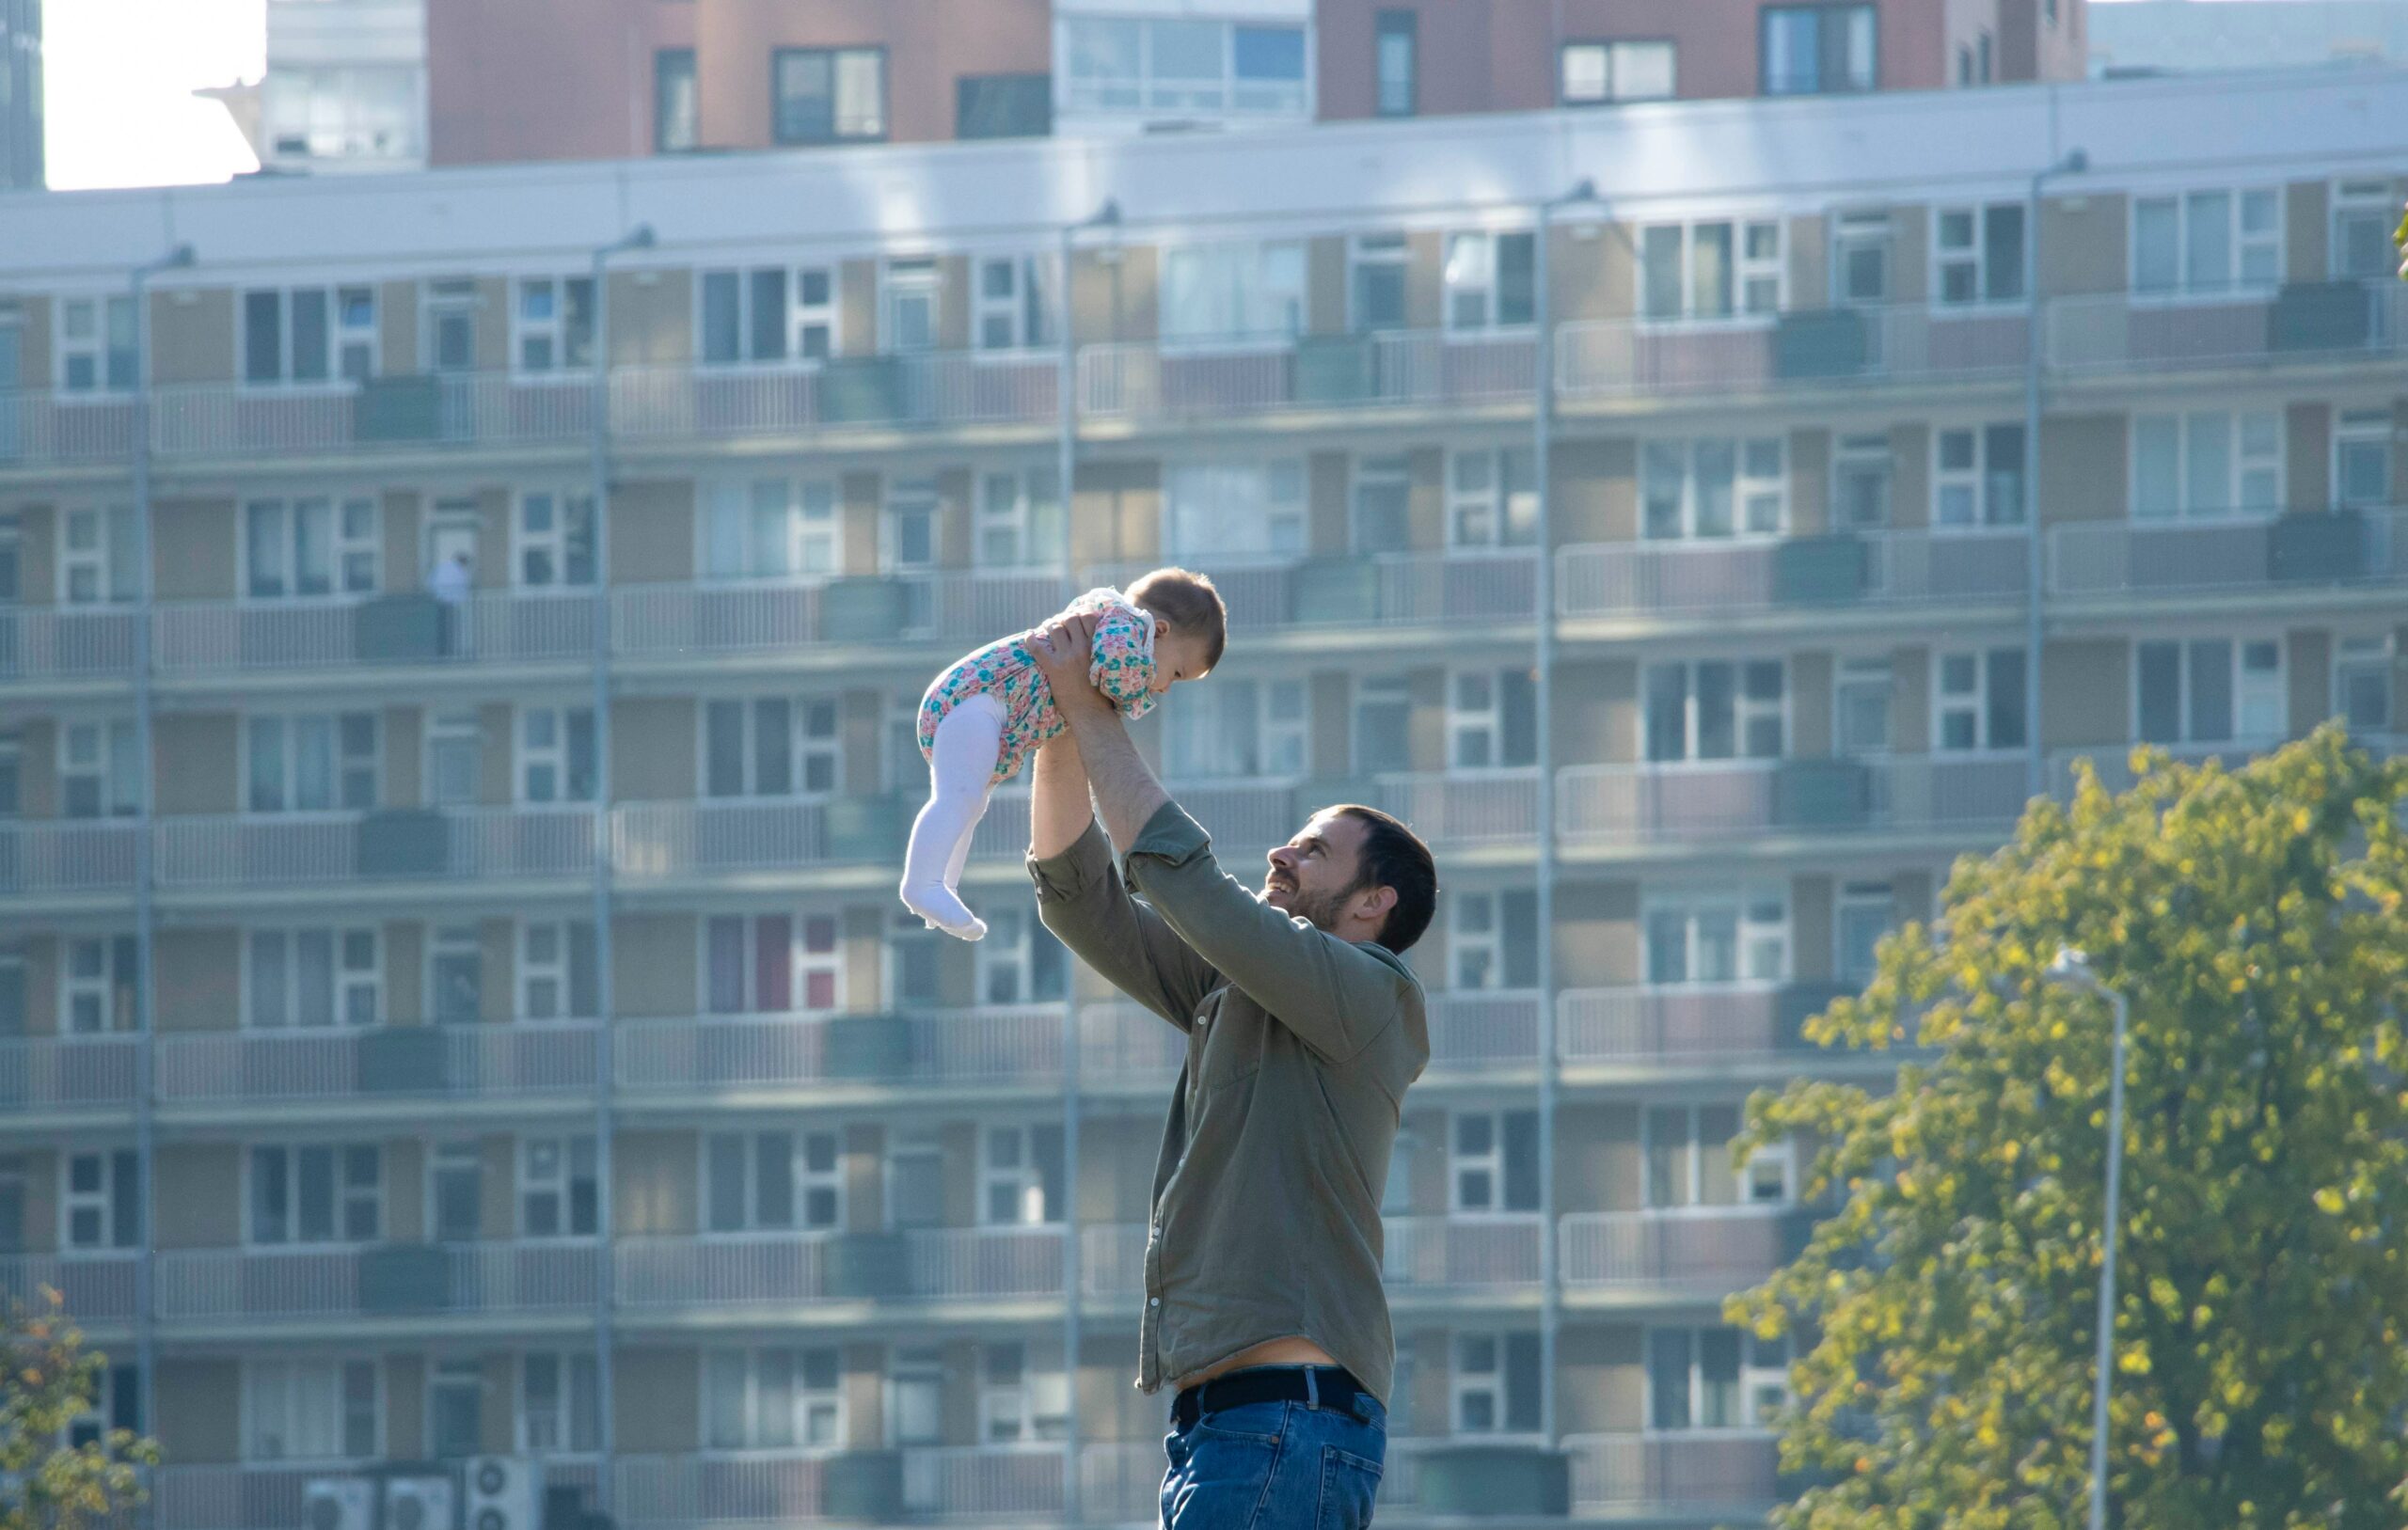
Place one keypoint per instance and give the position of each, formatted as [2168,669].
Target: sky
[120,75]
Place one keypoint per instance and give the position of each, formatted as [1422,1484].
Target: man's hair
[1394,857]
[1191,603]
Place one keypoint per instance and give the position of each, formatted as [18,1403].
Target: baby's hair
[1191,603]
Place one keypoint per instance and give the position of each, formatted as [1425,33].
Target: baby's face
[1179,654]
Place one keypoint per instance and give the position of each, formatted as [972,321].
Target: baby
[983,717]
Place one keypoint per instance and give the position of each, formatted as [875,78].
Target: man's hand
[1064,647]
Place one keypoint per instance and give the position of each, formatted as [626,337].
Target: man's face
[1311,876]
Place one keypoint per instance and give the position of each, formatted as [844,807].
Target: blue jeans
[1276,1466]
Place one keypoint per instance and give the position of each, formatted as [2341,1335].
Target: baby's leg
[961,766]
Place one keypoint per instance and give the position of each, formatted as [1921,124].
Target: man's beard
[1319,910]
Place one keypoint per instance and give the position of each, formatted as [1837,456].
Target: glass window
[100,775]
[1715,1378]
[1492,940]
[312,546]
[2208,241]
[101,1205]
[1818,50]
[1715,709]
[1375,281]
[96,557]
[98,345]
[1019,1176]
[1235,511]
[1977,476]
[1496,1382]
[1867,911]
[1860,248]
[828,95]
[1712,489]
[765,1181]
[1395,63]
[313,978]
[1232,292]
[552,323]
[1687,1152]
[1003,106]
[2207,464]
[1861,709]
[2365,213]
[317,1192]
[2209,691]
[313,763]
[2362,457]
[771,963]
[1979,253]
[768,314]
[1243,728]
[557,1412]
[311,1410]
[1492,498]
[1020,520]
[1491,280]
[1020,962]
[770,747]
[1979,700]
[554,533]
[1494,1162]
[2363,686]
[1016,301]
[1592,73]
[309,335]
[1710,270]
[773,1399]
[677,108]
[1717,936]
[557,1187]
[1383,718]
[1182,66]
[556,754]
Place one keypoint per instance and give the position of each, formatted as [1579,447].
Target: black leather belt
[1315,1386]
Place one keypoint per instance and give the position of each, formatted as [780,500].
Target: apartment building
[21,111]
[446,1026]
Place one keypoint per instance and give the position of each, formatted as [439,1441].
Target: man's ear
[1374,901]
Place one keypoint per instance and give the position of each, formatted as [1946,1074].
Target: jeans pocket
[1350,1484]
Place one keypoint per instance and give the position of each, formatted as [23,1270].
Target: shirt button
[1155,1303]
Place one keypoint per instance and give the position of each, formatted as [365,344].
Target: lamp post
[598,437]
[2072,969]
[2035,565]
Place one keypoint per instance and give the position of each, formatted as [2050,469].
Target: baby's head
[1191,626]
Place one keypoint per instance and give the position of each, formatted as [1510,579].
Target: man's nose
[1280,858]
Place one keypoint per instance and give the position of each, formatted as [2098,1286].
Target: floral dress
[1123,669]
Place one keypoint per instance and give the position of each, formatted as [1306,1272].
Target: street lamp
[2075,161]
[2072,969]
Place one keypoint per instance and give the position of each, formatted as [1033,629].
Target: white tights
[961,773]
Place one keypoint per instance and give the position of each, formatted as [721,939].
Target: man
[1263,1308]
[450,582]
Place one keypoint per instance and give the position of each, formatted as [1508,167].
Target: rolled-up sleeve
[1081,898]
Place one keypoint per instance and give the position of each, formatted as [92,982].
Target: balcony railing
[497,627]
[991,1045]
[1716,579]
[778,1268]
[1466,809]
[305,849]
[528,1059]
[1819,350]
[1475,1031]
[67,643]
[715,1493]
[48,430]
[1722,1249]
[2115,333]
[1276,375]
[1461,1256]
[1368,590]
[93,1287]
[55,1073]
[2313,550]
[1637,1026]
[930,390]
[1711,1472]
[76,856]
[407,1280]
[2114,761]
[1635,804]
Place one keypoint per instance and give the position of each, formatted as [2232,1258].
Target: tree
[51,1381]
[1943,1314]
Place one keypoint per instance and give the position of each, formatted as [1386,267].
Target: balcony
[1465,810]
[984,1047]
[1460,1258]
[407,1281]
[1364,597]
[1483,1031]
[225,638]
[41,1075]
[1728,1474]
[2114,761]
[928,390]
[778,1269]
[1813,351]
[2315,552]
[268,851]
[1814,577]
[1637,807]
[2120,333]
[93,1287]
[76,856]
[66,646]
[1711,1251]
[249,1068]
[1265,377]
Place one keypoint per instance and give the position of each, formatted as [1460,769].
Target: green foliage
[50,1382]
[2400,239]
[1944,1312]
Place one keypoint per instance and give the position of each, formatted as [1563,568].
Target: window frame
[1748,490]
[811,532]
[804,962]
[1033,517]
[342,544]
[1977,480]
[1612,51]
[1946,704]
[106,560]
[103,349]
[800,324]
[571,513]
[345,1370]
[1750,936]
[343,1192]
[1484,284]
[560,1186]
[1386,25]
[2237,681]
[1266,276]
[346,979]
[568,1365]
[1017,950]
[1495,1161]
[803,1182]
[121,1227]
[559,755]
[807,744]
[1024,1179]
[1769,15]
[1512,474]
[346,340]
[1368,475]
[1468,719]
[2239,243]
[347,767]
[835,58]
[2188,509]
[673,68]
[1976,255]
[559,331]
[2376,654]
[1745,709]
[1745,269]
[1201,495]
[115,769]
[559,970]
[802,1399]
[1387,250]
[1196,735]
[1029,310]
[1753,1374]
[2354,428]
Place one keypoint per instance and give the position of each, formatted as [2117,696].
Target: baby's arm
[1123,669]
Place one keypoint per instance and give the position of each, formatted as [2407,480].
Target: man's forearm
[1126,792]
[1057,798]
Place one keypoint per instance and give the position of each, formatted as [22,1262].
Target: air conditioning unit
[339,1504]
[419,1502]
[504,1493]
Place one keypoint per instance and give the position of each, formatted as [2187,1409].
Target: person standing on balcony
[1263,1310]
[449,582]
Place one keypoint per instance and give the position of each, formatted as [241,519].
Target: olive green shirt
[1266,1199]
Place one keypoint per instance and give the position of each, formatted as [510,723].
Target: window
[98,348]
[1375,281]
[317,1193]
[1235,511]
[1380,503]
[771,746]
[454,758]
[554,533]
[676,106]
[1492,498]
[1716,709]
[1020,519]
[1714,270]
[1594,73]
[1978,254]
[1492,941]
[828,95]
[309,335]
[557,1413]
[1018,1403]
[1237,290]
[556,754]
[2365,213]
[1493,1160]
[556,1187]
[771,963]
[1867,911]
[1020,962]
[456,1178]
[100,772]
[772,1182]
[915,1394]
[2207,464]
[1819,50]
[1687,1152]
[1396,62]
[2362,457]
[1861,709]
[558,974]
[906,531]
[2362,684]
[1712,489]
[1182,66]
[1496,1383]
[1860,258]
[314,547]
[2207,241]
[97,561]
[769,314]
[907,304]
[914,1177]
[1491,280]
[312,979]
[1864,467]
[1492,719]
[101,1208]
[1003,106]
[97,992]
[455,1386]
[1383,723]
[117,1404]
[1977,476]
[551,324]
[313,763]
[1715,1378]
[1246,728]
[1978,700]
[2209,691]
[769,529]
[773,1398]
[1016,301]
[455,975]
[15,1004]
[1710,936]
[1019,1176]
[450,318]
[311,1410]
[911,969]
